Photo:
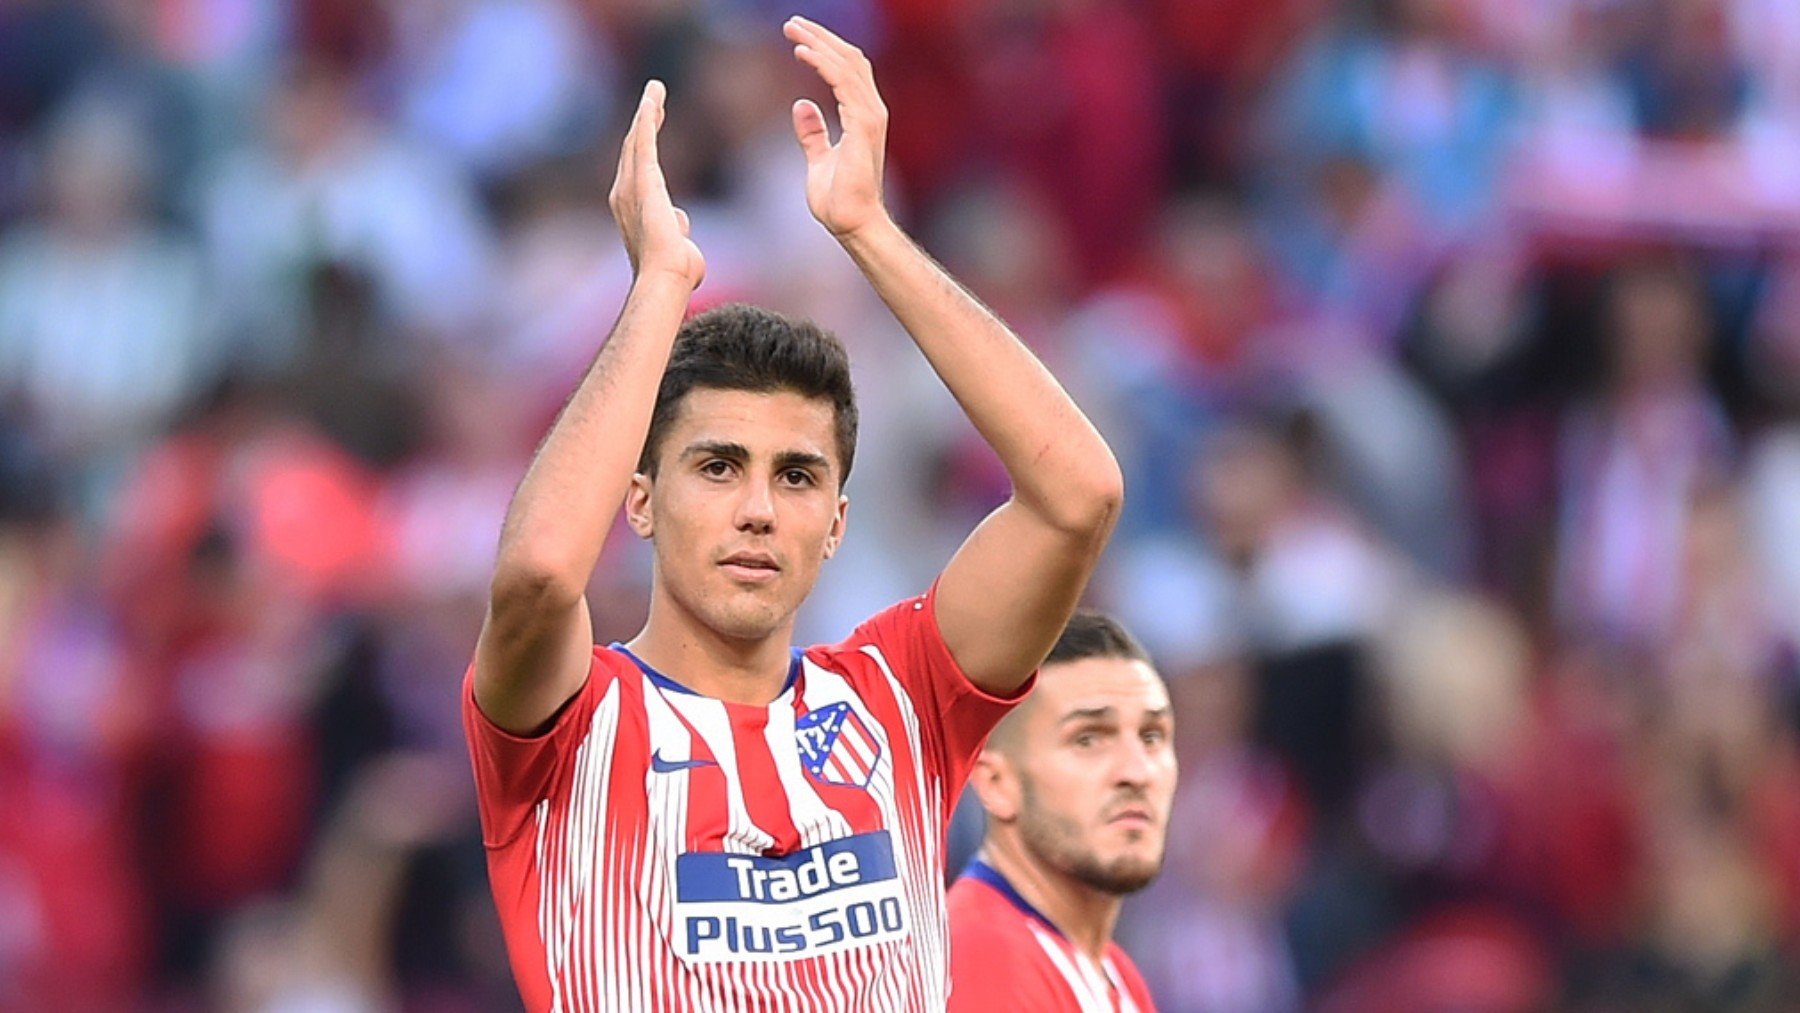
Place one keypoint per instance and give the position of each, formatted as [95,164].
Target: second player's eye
[797,476]
[716,468]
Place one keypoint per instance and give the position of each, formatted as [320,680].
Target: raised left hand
[843,180]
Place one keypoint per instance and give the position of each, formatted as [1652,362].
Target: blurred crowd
[1451,347]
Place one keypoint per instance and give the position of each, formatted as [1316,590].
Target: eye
[1086,739]
[715,467]
[1155,736]
[798,477]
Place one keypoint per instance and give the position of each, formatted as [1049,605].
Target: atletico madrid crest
[836,746]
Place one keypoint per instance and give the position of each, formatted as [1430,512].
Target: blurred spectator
[1386,140]
[498,84]
[76,728]
[331,948]
[47,49]
[1308,588]
[104,328]
[1067,103]
[330,185]
[1686,77]
[1633,458]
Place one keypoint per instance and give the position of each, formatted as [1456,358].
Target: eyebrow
[738,452]
[802,459]
[717,448]
[1102,713]
[1087,714]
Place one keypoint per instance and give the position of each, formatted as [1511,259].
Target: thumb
[809,129]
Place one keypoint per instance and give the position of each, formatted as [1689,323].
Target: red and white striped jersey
[992,926]
[657,849]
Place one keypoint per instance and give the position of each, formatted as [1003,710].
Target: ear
[637,505]
[840,523]
[996,785]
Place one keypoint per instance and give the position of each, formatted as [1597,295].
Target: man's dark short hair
[1092,634]
[740,347]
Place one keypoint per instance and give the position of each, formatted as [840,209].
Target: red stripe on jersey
[764,797]
[708,815]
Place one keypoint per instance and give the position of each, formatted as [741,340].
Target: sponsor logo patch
[830,897]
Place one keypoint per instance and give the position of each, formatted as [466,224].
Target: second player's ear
[637,505]
[996,785]
[835,537]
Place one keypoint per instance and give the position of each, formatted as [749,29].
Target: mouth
[1132,817]
[750,567]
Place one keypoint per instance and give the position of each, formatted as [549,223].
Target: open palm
[843,180]
[657,234]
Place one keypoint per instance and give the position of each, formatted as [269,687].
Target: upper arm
[534,653]
[1005,596]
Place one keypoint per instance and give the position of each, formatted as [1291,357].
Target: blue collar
[982,872]
[664,682]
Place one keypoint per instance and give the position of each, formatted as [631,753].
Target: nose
[756,509]
[1133,765]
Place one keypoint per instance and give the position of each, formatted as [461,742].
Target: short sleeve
[513,773]
[958,714]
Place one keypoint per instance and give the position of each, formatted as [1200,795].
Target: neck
[1081,913]
[747,671]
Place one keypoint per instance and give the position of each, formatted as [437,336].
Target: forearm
[565,505]
[1061,468]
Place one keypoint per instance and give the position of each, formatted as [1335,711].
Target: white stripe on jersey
[713,723]
[1092,986]
[667,796]
[816,821]
[1126,1005]
[561,896]
[930,916]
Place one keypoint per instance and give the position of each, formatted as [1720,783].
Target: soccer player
[1077,784]
[704,817]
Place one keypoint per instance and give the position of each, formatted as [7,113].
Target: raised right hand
[654,229]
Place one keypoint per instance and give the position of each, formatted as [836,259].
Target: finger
[626,173]
[851,84]
[681,220]
[830,68]
[809,129]
[823,52]
[825,39]
[860,72]
[859,108]
[649,122]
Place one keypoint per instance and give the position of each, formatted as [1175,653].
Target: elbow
[1105,499]
[1088,505]
[528,583]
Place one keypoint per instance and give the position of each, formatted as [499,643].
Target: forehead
[764,422]
[1129,686]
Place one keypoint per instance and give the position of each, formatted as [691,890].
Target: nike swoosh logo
[662,766]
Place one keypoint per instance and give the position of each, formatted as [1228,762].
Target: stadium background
[1452,349]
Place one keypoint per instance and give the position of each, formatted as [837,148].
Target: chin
[1129,874]
[746,620]
[1122,872]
